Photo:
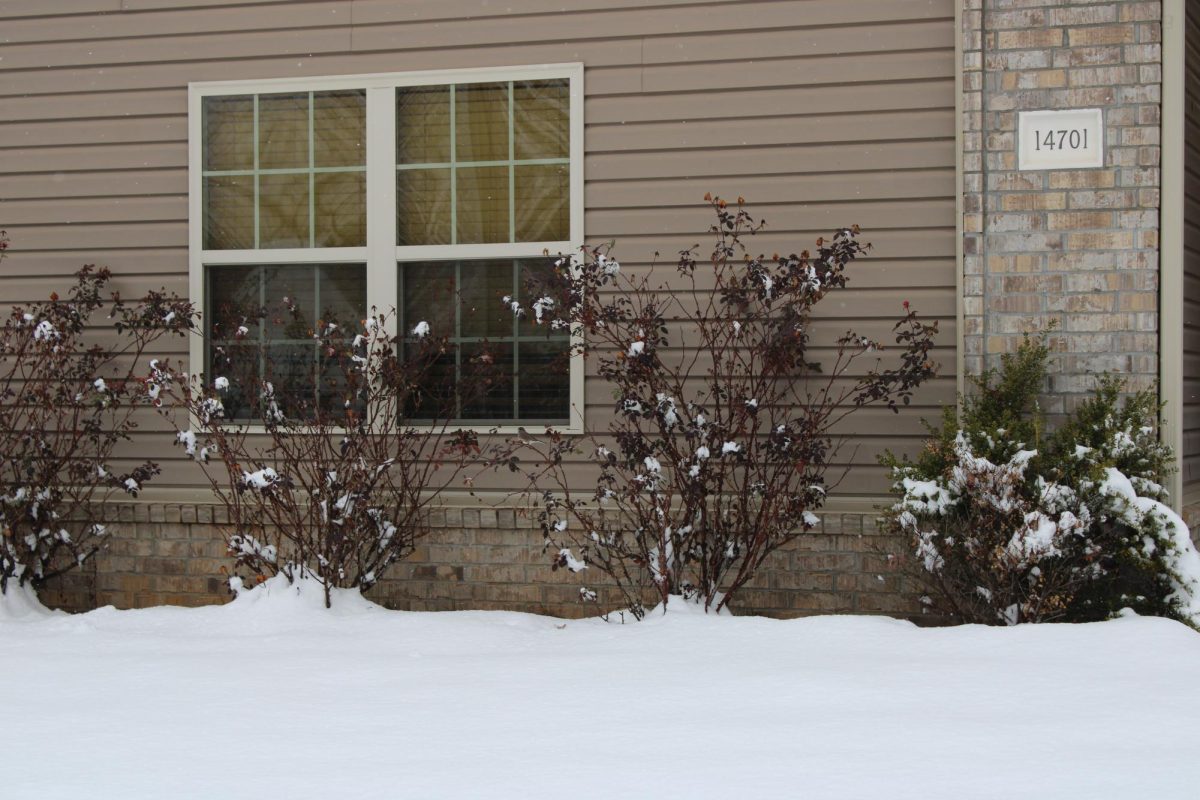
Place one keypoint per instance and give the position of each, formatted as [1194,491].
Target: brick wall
[474,558]
[1077,248]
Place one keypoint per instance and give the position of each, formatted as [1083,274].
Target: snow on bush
[716,455]
[1010,523]
[69,389]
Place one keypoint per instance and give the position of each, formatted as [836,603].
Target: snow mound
[303,595]
[21,604]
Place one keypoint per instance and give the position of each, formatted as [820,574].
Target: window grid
[511,163]
[312,170]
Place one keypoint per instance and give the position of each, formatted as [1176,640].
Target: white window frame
[381,254]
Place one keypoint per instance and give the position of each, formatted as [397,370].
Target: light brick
[1105,34]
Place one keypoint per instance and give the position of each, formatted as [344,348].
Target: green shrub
[1011,522]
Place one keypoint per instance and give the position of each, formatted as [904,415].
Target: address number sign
[1060,139]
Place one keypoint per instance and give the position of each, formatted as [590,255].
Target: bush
[68,397]
[331,481]
[1009,522]
[720,440]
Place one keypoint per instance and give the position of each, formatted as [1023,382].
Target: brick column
[1077,248]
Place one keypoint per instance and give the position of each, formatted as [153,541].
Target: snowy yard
[272,696]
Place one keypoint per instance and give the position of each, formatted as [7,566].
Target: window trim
[381,254]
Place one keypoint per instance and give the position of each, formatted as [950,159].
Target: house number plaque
[1060,139]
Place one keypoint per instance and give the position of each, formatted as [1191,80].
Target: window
[434,193]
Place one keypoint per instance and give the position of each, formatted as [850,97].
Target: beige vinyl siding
[821,113]
[1190,458]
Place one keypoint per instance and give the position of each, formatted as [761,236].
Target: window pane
[286,300]
[489,391]
[429,295]
[292,372]
[541,119]
[484,284]
[482,205]
[423,206]
[234,301]
[283,210]
[344,295]
[341,209]
[543,203]
[229,212]
[282,131]
[493,399]
[544,384]
[423,125]
[481,122]
[339,128]
[240,364]
[534,272]
[435,398]
[338,393]
[228,133]
[290,300]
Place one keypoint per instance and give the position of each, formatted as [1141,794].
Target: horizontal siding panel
[820,218]
[889,244]
[894,66]
[92,105]
[177,17]
[95,132]
[119,183]
[160,49]
[869,272]
[615,80]
[765,15]
[859,36]
[372,30]
[863,127]
[879,186]
[879,154]
[106,156]
[131,285]
[42,8]
[53,264]
[83,237]
[781,101]
[93,210]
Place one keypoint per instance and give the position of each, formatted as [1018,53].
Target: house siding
[1189,462]
[821,113]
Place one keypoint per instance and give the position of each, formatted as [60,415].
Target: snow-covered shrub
[69,389]
[329,480]
[720,440]
[1009,522]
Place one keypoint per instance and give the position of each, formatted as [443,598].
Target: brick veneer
[473,558]
[1078,248]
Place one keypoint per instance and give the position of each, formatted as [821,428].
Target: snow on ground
[273,696]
